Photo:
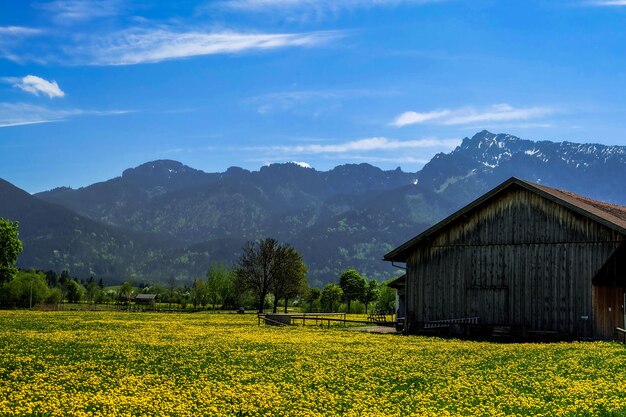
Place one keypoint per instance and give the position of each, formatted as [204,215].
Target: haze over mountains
[163,220]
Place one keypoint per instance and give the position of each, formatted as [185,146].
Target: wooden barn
[145,298]
[523,257]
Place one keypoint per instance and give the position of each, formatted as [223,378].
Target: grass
[80,363]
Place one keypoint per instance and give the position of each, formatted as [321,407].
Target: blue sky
[91,87]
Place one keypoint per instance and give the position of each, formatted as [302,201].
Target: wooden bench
[378,317]
[446,323]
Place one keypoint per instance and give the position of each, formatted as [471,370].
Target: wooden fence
[317,319]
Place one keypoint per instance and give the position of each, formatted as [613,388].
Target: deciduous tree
[261,264]
[353,286]
[220,284]
[370,293]
[92,290]
[25,289]
[312,297]
[74,291]
[386,298]
[331,297]
[290,280]
[10,248]
[199,293]
[125,292]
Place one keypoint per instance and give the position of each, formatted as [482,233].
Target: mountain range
[165,221]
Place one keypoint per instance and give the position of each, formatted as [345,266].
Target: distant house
[145,298]
[522,257]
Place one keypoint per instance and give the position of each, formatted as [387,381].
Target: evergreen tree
[52,278]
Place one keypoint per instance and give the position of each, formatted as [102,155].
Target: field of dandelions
[150,364]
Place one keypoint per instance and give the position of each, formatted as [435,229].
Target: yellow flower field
[148,364]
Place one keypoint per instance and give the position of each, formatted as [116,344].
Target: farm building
[145,298]
[525,258]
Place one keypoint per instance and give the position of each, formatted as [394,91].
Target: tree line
[267,268]
[268,274]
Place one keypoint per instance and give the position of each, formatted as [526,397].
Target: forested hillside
[164,220]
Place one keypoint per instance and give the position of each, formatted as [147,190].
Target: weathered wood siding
[518,259]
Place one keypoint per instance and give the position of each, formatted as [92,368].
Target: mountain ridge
[342,218]
[487,159]
[51,233]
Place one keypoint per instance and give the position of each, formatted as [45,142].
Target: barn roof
[610,215]
[398,282]
[145,297]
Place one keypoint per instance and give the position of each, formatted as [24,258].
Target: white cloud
[14,46]
[37,85]
[18,114]
[414,153]
[361,145]
[467,115]
[148,46]
[396,159]
[316,6]
[506,125]
[307,10]
[146,43]
[70,11]
[18,31]
[393,159]
[607,3]
[12,42]
[412,117]
[282,101]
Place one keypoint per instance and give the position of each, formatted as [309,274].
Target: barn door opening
[607,296]
[608,310]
